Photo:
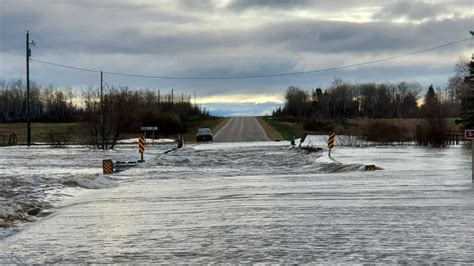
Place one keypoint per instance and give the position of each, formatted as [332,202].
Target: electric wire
[256,76]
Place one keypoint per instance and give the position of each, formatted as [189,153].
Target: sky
[229,38]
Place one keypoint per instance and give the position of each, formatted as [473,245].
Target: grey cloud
[114,4]
[294,36]
[285,5]
[144,40]
[411,10]
[196,4]
[85,28]
[148,32]
[373,37]
[239,5]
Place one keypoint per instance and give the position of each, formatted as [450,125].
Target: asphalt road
[241,129]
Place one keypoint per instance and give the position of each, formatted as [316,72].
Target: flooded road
[242,203]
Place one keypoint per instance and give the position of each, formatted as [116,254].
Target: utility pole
[102,126]
[28,118]
[470,80]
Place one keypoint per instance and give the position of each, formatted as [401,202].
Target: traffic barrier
[141,147]
[107,167]
[332,140]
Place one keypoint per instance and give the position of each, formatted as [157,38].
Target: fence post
[418,135]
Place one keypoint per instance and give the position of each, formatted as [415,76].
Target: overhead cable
[256,76]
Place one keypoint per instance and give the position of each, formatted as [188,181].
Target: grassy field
[40,132]
[269,130]
[287,130]
[44,132]
[355,127]
[71,132]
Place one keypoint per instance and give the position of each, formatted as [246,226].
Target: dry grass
[358,126]
[287,130]
[271,132]
[40,132]
[389,130]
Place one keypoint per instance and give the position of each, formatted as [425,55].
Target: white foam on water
[234,145]
[148,141]
[90,182]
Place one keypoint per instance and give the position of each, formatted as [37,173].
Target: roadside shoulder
[271,133]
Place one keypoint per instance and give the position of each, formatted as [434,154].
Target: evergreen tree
[435,120]
[467,100]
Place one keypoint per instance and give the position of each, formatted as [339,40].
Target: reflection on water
[246,204]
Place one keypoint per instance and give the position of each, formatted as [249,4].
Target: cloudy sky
[228,38]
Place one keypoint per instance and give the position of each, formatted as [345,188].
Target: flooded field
[237,203]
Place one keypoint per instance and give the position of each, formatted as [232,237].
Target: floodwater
[238,203]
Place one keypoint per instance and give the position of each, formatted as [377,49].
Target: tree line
[343,100]
[47,104]
[104,119]
[386,100]
[122,110]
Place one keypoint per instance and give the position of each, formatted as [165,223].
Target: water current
[237,203]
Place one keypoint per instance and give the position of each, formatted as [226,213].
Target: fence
[449,137]
[8,139]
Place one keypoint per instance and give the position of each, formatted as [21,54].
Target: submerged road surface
[241,129]
[228,204]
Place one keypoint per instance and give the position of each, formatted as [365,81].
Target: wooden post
[469,135]
[418,135]
[153,141]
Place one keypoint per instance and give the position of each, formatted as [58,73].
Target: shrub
[317,125]
[380,131]
[168,123]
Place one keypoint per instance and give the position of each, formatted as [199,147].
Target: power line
[257,76]
[65,66]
